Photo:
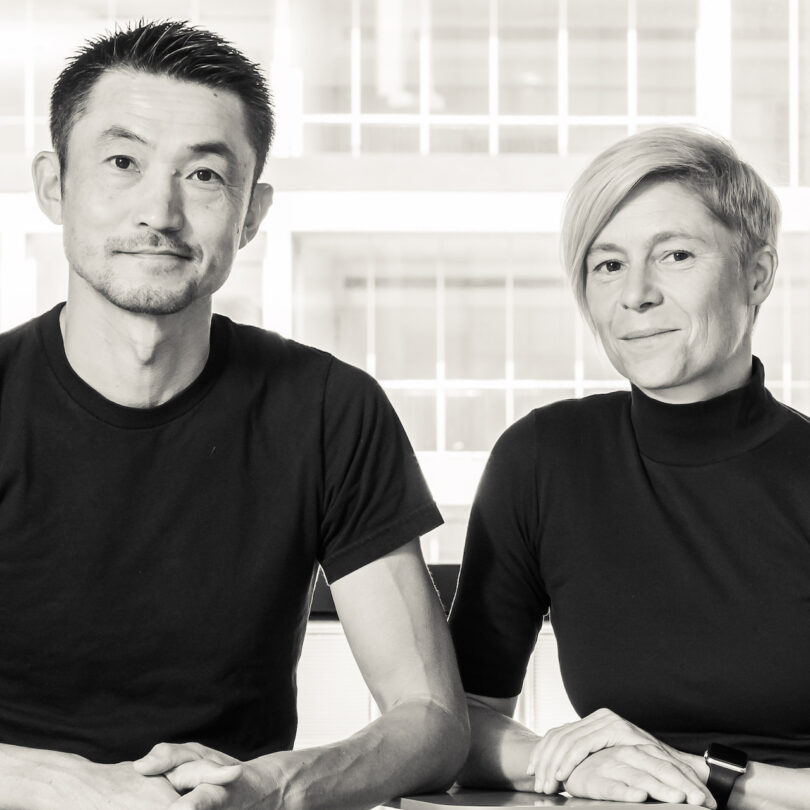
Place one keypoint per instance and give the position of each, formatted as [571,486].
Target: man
[171,480]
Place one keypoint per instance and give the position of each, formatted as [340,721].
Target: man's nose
[159,203]
[640,290]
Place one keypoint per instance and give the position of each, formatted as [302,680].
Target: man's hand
[567,756]
[214,780]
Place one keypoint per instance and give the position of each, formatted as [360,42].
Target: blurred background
[423,152]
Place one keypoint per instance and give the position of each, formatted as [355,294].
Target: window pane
[597,31]
[527,140]
[527,52]
[475,419]
[759,70]
[12,87]
[417,411]
[666,56]
[322,49]
[460,56]
[405,307]
[475,321]
[327,138]
[804,96]
[589,140]
[331,294]
[388,138]
[459,139]
[544,329]
[390,54]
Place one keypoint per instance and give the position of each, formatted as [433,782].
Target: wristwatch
[726,765]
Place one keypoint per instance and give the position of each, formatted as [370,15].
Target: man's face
[670,304]
[156,190]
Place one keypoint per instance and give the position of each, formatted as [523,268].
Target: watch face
[723,754]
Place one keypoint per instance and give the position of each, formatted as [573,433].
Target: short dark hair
[170,48]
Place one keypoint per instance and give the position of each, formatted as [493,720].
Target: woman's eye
[610,266]
[122,162]
[681,255]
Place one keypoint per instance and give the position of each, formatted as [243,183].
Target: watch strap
[720,783]
[726,765]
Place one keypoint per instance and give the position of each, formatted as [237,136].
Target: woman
[666,528]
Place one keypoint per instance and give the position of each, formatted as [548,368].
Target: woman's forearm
[770,787]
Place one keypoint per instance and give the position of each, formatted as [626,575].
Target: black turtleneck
[672,546]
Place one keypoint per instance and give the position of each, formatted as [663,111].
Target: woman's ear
[48,185]
[761,272]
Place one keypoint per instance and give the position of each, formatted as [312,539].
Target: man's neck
[140,361]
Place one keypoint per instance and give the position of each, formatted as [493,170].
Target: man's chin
[150,301]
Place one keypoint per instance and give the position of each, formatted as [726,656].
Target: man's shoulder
[254,345]
[19,337]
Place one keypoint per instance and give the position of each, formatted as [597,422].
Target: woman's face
[669,301]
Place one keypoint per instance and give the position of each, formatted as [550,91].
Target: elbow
[453,746]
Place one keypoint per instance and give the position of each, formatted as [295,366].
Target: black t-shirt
[156,565]
[672,546]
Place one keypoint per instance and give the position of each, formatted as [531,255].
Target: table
[461,799]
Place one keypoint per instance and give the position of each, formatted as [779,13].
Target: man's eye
[205,175]
[122,162]
[680,255]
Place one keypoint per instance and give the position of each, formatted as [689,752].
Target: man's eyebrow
[116,131]
[215,148]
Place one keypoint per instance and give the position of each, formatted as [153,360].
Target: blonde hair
[704,162]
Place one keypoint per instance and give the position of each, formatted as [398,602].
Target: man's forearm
[387,758]
[41,779]
[500,750]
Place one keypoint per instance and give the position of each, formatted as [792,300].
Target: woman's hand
[635,773]
[562,750]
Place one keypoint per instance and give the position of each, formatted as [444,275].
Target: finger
[165,756]
[202,771]
[606,787]
[605,732]
[672,781]
[203,797]
[557,741]
[696,791]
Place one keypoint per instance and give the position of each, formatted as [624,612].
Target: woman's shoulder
[565,421]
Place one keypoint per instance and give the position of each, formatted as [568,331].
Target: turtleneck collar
[708,431]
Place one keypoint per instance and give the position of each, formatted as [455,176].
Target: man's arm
[396,629]
[39,779]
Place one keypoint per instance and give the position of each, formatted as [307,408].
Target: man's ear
[761,272]
[259,205]
[48,185]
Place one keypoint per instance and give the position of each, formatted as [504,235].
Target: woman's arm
[576,750]
[503,754]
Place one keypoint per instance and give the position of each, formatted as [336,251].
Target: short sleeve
[500,602]
[375,497]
